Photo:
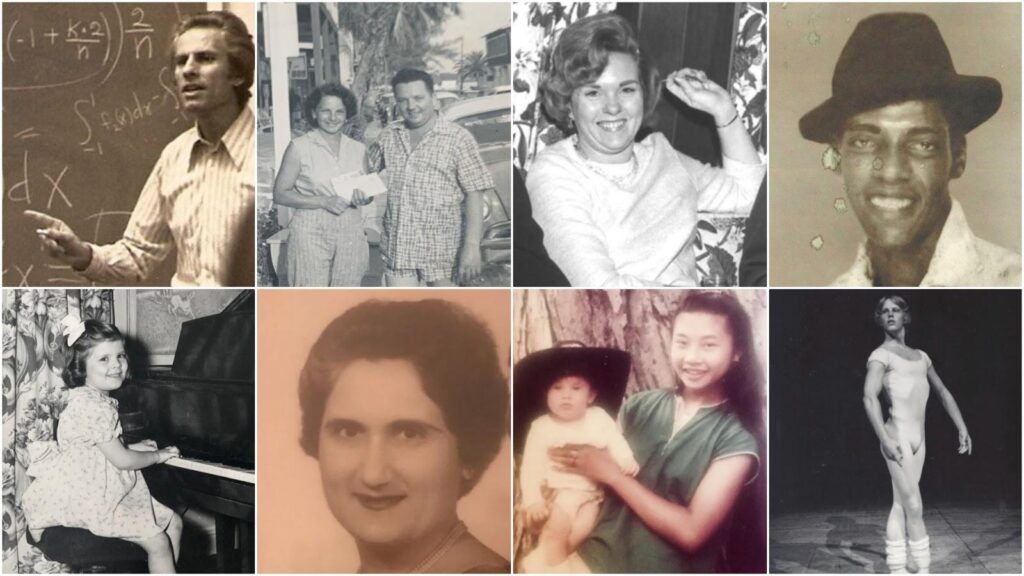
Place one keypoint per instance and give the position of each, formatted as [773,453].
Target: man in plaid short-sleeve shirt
[435,179]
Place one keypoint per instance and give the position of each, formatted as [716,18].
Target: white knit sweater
[641,233]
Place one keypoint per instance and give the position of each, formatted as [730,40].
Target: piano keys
[214,469]
[205,405]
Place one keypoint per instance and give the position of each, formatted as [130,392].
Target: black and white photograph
[639,142]
[639,431]
[895,431]
[128,144]
[120,460]
[384,144]
[896,144]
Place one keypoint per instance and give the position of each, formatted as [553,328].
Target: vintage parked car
[489,120]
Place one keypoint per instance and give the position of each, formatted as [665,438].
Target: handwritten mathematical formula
[89,103]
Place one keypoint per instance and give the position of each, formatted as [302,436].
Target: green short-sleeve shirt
[672,467]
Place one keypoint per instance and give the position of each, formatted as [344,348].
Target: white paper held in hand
[370,184]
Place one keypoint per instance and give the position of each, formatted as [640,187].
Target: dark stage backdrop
[824,453]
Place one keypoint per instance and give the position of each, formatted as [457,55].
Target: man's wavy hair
[581,55]
[241,50]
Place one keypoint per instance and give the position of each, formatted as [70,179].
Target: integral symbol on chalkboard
[120,116]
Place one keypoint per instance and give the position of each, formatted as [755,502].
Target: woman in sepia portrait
[617,212]
[403,425]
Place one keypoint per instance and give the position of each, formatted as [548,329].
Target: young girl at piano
[89,479]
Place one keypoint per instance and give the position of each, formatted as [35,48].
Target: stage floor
[975,540]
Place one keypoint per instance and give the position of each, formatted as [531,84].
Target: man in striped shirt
[200,195]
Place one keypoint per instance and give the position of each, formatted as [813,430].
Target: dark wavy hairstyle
[898,301]
[744,382]
[241,51]
[348,99]
[452,351]
[580,57]
[96,332]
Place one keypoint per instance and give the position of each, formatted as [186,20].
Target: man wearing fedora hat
[896,127]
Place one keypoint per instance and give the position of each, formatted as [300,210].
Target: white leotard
[906,383]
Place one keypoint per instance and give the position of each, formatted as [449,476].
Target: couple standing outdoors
[435,180]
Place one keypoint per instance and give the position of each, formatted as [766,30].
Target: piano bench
[86,552]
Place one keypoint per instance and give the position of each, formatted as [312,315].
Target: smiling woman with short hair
[327,243]
[616,212]
[404,405]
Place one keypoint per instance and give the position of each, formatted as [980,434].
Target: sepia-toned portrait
[895,145]
[639,431]
[128,144]
[384,429]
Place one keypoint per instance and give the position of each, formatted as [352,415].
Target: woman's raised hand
[892,450]
[965,443]
[698,92]
[586,460]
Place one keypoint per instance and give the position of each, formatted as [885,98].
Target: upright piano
[205,405]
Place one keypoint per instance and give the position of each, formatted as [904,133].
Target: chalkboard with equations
[88,105]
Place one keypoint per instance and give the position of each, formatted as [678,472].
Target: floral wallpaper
[34,355]
[748,80]
[535,27]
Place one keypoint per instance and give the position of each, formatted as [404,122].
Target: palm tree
[380,30]
[472,66]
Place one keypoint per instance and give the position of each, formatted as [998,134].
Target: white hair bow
[74,327]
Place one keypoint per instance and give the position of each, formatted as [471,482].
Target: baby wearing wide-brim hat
[566,394]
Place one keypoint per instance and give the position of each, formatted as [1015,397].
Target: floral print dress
[79,488]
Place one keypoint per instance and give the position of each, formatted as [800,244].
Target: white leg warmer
[921,551]
[896,556]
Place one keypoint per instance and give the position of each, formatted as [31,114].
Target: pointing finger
[43,219]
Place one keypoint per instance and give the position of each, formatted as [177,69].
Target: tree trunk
[637,321]
[372,52]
